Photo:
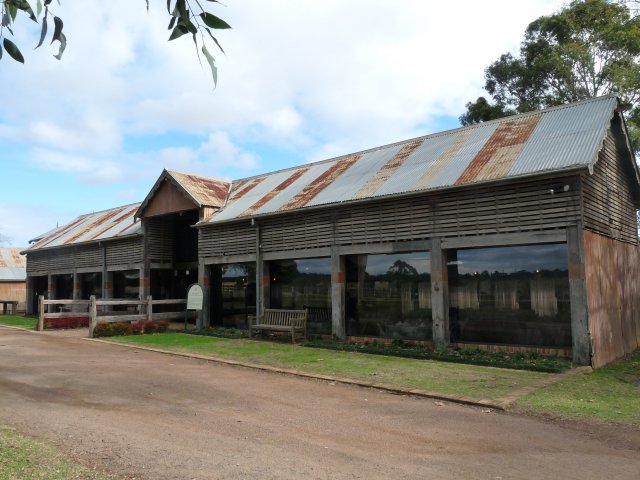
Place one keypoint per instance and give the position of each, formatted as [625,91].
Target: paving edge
[492,404]
[24,329]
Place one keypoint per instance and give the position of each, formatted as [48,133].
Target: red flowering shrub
[66,322]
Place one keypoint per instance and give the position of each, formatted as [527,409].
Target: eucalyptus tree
[186,17]
[587,49]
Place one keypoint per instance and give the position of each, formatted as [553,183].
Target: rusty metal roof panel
[206,191]
[567,136]
[357,177]
[554,139]
[107,224]
[244,197]
[13,265]
[314,172]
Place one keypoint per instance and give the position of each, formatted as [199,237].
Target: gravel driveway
[146,415]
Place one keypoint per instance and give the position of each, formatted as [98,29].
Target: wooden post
[40,326]
[580,336]
[338,294]
[149,309]
[93,314]
[439,295]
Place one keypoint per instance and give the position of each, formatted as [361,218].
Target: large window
[515,295]
[233,294]
[64,286]
[90,284]
[126,285]
[306,283]
[389,296]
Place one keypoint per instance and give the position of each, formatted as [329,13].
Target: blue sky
[301,81]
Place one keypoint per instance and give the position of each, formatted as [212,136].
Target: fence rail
[92,305]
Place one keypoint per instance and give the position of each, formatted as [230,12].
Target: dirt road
[145,415]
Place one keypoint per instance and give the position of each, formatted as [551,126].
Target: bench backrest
[285,318]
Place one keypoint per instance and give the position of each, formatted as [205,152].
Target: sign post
[195,298]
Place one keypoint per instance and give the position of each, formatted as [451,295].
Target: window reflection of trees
[387,296]
[506,304]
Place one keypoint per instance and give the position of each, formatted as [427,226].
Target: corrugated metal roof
[202,191]
[116,222]
[559,138]
[13,265]
[206,191]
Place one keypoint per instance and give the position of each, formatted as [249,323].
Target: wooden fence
[90,308]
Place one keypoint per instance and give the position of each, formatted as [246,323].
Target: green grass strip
[18,321]
[609,394]
[476,382]
[22,457]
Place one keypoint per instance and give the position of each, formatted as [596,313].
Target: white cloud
[218,150]
[318,79]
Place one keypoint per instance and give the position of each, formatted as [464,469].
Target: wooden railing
[90,309]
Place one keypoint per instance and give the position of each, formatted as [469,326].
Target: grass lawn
[447,378]
[609,394]
[23,457]
[18,321]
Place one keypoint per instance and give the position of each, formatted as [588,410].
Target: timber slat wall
[613,298]
[119,252]
[518,207]
[231,239]
[160,235]
[608,199]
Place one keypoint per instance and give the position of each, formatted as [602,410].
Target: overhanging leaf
[63,46]
[43,31]
[12,50]
[212,65]
[178,31]
[57,32]
[212,21]
[214,39]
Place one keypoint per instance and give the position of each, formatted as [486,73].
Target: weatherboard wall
[608,193]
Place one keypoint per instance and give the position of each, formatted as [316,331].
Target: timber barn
[518,233]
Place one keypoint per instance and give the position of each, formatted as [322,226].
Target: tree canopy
[183,19]
[587,49]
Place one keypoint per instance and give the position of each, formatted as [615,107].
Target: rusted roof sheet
[559,138]
[13,266]
[202,191]
[206,191]
[113,223]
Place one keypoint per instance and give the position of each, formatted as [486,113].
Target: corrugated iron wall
[613,297]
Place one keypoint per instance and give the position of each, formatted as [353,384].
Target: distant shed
[13,276]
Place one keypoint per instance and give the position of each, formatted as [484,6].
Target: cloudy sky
[301,81]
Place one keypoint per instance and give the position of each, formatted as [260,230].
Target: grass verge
[476,382]
[23,457]
[18,321]
[609,394]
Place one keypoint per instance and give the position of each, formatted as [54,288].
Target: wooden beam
[580,336]
[504,239]
[439,295]
[338,294]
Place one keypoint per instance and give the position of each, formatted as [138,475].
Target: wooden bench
[9,307]
[280,320]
